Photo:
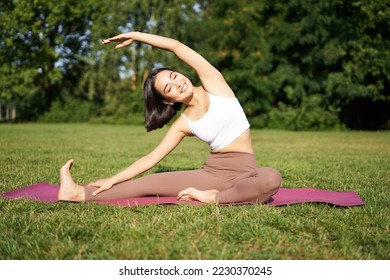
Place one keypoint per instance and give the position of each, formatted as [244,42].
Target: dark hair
[157,113]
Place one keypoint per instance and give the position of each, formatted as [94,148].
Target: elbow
[176,46]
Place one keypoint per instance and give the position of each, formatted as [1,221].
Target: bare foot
[69,190]
[209,196]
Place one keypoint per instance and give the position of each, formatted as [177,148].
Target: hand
[124,40]
[102,184]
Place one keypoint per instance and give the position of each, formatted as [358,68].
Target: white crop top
[223,122]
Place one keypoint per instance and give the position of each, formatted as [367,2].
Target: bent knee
[273,180]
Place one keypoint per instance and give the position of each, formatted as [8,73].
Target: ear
[168,103]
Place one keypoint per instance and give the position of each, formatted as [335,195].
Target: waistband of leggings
[231,155]
[238,161]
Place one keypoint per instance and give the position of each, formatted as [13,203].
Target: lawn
[340,161]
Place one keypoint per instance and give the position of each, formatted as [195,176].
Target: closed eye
[173,77]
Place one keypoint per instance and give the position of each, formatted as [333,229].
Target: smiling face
[173,87]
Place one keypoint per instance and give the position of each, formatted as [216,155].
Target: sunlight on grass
[340,161]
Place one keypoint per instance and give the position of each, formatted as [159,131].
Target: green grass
[340,161]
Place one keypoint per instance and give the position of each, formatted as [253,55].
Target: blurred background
[296,65]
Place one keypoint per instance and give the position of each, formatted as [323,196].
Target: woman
[212,113]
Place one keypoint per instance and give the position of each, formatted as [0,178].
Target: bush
[68,110]
[310,115]
[133,118]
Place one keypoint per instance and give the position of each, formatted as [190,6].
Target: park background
[312,76]
[298,65]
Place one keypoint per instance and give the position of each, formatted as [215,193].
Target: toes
[184,198]
[67,165]
[184,192]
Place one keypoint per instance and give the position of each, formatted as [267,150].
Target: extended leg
[162,184]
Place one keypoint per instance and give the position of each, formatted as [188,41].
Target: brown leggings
[235,175]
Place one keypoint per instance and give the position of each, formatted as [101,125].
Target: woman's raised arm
[212,80]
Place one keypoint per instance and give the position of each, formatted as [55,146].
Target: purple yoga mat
[46,192]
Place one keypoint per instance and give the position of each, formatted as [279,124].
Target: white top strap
[188,123]
[184,116]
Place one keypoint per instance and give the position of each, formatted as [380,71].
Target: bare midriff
[242,144]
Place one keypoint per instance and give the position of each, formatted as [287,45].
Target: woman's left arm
[172,138]
[212,80]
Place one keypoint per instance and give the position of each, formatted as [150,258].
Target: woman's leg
[162,184]
[214,183]
[256,188]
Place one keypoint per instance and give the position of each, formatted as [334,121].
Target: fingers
[99,190]
[119,37]
[124,41]
[98,186]
[112,39]
[120,46]
[124,44]
[94,184]
[101,187]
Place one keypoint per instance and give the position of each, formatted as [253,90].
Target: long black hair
[157,113]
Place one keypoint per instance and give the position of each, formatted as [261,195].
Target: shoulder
[223,90]
[180,126]
[220,88]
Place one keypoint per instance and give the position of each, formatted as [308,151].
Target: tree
[39,43]
[235,43]
[114,78]
[290,62]
[282,56]
[51,51]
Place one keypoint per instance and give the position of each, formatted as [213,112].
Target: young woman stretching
[212,113]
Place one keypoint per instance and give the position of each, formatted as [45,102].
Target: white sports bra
[223,122]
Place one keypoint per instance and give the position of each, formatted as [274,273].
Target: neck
[196,96]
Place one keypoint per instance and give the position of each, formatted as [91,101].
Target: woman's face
[173,87]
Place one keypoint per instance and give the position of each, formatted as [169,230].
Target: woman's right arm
[212,80]
[171,139]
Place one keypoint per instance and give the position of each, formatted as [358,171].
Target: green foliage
[39,43]
[68,110]
[278,52]
[123,108]
[271,52]
[236,45]
[308,116]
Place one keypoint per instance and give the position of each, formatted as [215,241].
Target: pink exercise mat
[46,192]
